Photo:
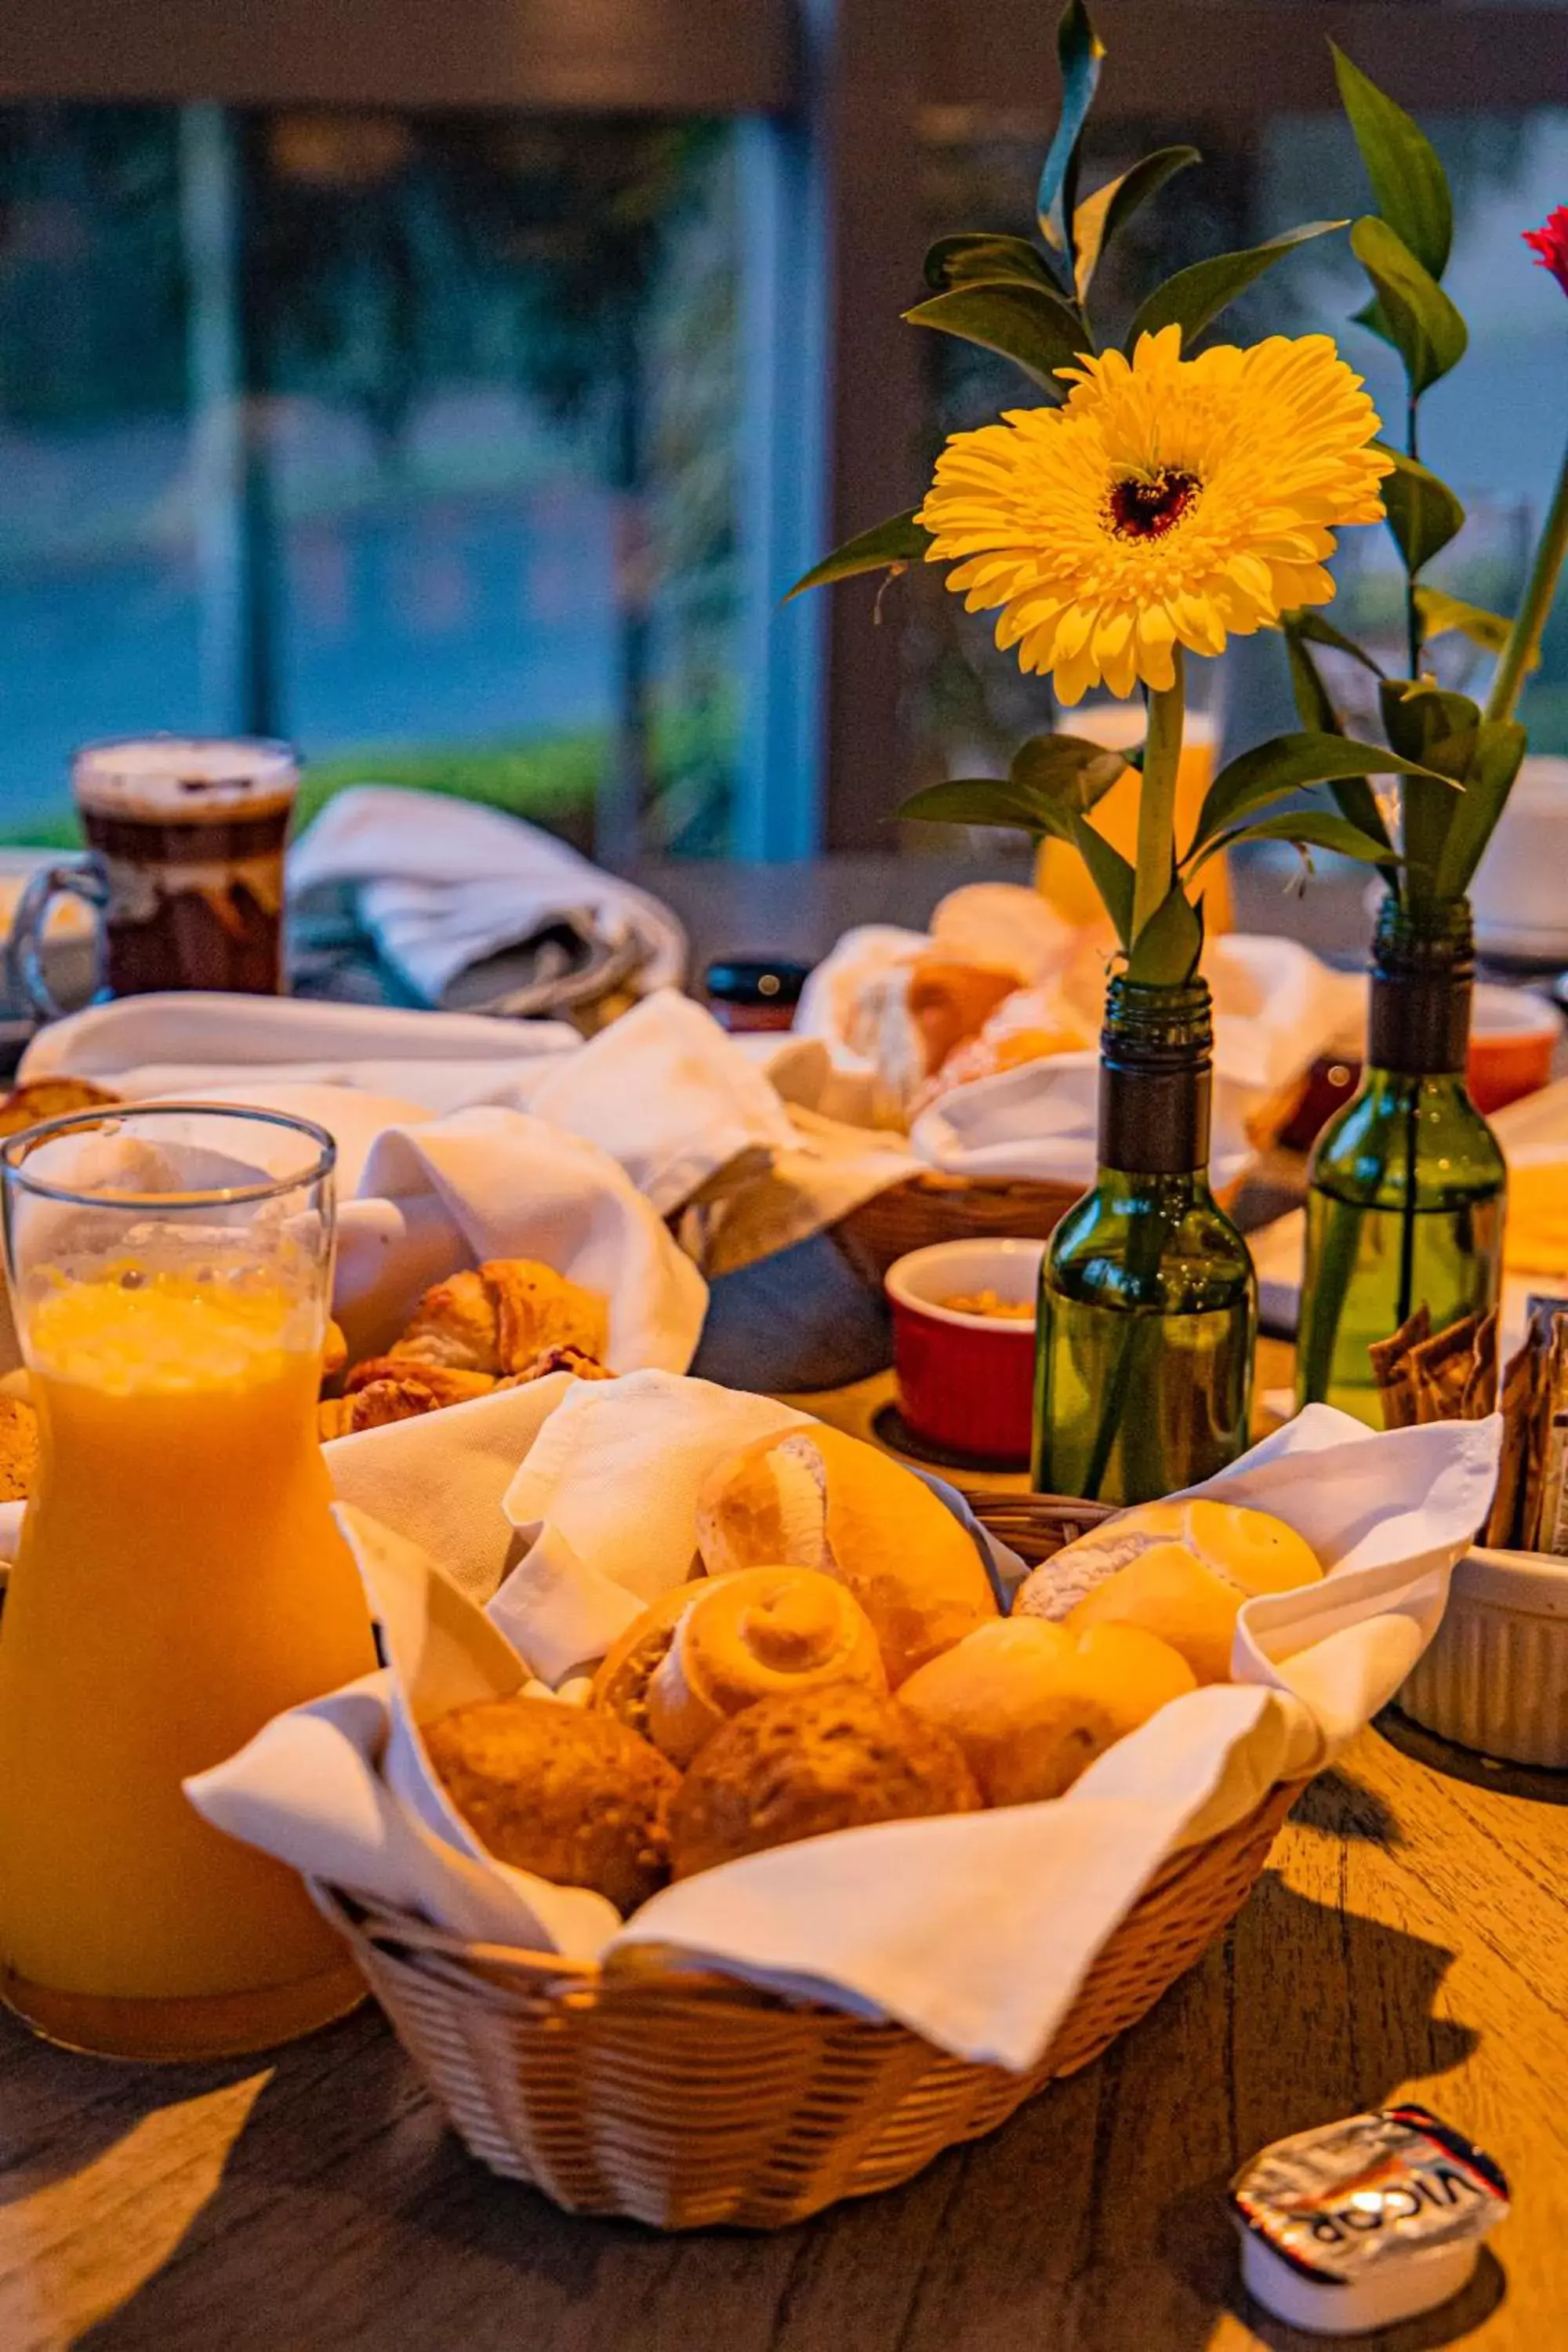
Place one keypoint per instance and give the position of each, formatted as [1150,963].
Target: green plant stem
[1412,609]
[1157,799]
[1524,637]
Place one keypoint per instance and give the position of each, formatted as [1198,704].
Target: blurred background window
[411,436]
[460,403]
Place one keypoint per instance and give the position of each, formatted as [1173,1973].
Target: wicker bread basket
[936,1208]
[677,2098]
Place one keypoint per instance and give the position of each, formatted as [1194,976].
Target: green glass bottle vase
[1407,1182]
[1148,1317]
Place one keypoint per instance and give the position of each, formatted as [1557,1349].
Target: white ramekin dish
[1495,1677]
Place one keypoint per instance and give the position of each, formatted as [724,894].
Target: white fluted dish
[1495,1678]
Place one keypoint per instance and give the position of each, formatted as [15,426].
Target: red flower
[1549,245]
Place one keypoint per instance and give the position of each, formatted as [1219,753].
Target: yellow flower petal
[1165,498]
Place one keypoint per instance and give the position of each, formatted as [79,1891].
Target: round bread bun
[752,1635]
[1168,1593]
[1031,1706]
[629,1665]
[1250,1550]
[572,1796]
[809,1762]
[815,1498]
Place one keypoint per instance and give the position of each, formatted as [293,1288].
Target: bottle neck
[1423,981]
[1156,1080]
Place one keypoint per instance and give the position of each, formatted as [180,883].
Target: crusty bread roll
[753,1635]
[629,1665]
[1179,1570]
[1175,1597]
[816,1498]
[1250,1550]
[1031,1706]
[573,1796]
[950,1002]
[809,1762]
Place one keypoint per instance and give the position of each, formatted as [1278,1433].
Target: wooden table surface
[1411,1936]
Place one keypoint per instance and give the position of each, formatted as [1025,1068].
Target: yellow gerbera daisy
[1166,501]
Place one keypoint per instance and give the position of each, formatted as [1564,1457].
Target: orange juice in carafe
[179,1581]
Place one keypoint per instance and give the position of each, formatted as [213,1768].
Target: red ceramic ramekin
[1513,1036]
[966,1382]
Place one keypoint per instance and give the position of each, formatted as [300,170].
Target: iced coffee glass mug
[184,867]
[179,1578]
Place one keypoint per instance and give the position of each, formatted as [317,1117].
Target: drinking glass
[179,1580]
[184,867]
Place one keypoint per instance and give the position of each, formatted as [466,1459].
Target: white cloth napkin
[974,1930]
[444,884]
[664,1090]
[150,1044]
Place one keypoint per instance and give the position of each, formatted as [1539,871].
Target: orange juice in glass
[1062,874]
[179,1580]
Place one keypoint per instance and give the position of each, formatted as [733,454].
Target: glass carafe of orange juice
[179,1578]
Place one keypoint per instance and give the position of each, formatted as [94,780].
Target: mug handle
[78,877]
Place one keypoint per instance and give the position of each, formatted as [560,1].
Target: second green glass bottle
[1407,1185]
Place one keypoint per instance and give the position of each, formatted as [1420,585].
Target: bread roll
[816,1498]
[753,1635]
[1172,1595]
[629,1664]
[1031,1706]
[1250,1550]
[570,1795]
[950,1002]
[809,1762]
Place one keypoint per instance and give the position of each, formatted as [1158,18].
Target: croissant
[753,1635]
[500,1318]
[374,1407]
[444,1382]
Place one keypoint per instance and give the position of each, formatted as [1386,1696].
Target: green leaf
[887,546]
[1024,323]
[1423,514]
[1370,316]
[1102,216]
[1314,704]
[1287,763]
[1067,770]
[1500,745]
[979,800]
[1079,52]
[1110,872]
[1430,726]
[1194,297]
[1167,950]
[1440,731]
[1308,829]
[1422,324]
[976,259]
[1444,616]
[1407,179]
[1319,632]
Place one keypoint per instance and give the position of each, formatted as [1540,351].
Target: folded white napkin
[1041,1120]
[974,1930]
[146,1045]
[664,1090]
[444,884]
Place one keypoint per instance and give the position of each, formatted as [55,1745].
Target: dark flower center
[1148,505]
